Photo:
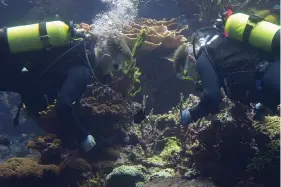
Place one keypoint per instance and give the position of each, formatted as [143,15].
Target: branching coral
[130,72]
[270,126]
[130,68]
[50,148]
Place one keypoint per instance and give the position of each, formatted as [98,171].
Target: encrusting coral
[18,171]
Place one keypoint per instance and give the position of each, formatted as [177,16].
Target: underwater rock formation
[126,176]
[227,145]
[18,171]
[49,147]
[177,182]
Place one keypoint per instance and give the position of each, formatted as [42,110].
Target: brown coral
[105,103]
[50,148]
[74,169]
[158,34]
[18,171]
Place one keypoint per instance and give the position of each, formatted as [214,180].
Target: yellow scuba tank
[38,36]
[255,31]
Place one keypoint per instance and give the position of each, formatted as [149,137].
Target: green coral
[168,172]
[126,176]
[270,126]
[156,160]
[130,68]
[172,146]
[266,157]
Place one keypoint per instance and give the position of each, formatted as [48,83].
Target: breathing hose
[89,64]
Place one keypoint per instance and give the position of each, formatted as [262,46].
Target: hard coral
[105,103]
[74,170]
[50,148]
[270,126]
[159,34]
[18,171]
[126,176]
[177,182]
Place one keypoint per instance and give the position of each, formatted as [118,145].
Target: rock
[126,176]
[164,173]
[177,182]
[74,169]
[49,146]
[18,171]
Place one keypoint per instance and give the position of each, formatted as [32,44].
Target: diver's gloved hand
[139,116]
[185,117]
[258,111]
[89,143]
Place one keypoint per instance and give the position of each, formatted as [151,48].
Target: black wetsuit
[65,81]
[244,75]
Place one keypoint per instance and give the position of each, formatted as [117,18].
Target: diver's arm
[209,102]
[72,89]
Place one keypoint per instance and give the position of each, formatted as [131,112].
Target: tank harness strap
[4,45]
[252,22]
[44,35]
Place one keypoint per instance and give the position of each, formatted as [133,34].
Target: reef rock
[177,182]
[126,176]
[18,171]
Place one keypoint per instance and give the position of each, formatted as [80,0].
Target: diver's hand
[139,116]
[185,117]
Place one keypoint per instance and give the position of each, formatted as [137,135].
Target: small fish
[276,7]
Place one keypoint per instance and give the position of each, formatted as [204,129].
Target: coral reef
[126,176]
[16,148]
[17,171]
[159,34]
[177,182]
[49,147]
[228,149]
[129,76]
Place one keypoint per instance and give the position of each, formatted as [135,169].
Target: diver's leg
[74,86]
[271,86]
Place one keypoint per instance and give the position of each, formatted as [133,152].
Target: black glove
[139,116]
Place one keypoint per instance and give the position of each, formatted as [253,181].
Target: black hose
[90,67]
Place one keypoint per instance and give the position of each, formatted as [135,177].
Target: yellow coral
[269,126]
[172,147]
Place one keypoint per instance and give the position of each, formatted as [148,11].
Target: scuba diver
[243,58]
[54,61]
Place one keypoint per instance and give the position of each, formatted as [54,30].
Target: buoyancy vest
[237,66]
